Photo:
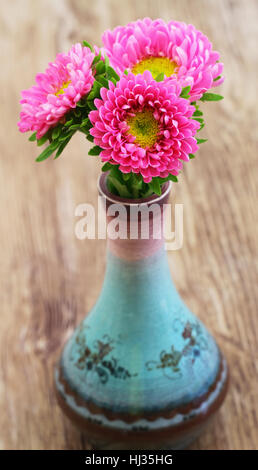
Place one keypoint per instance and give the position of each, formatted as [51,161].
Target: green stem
[121,188]
[132,188]
[148,193]
[135,192]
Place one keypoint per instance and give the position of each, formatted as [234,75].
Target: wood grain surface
[49,279]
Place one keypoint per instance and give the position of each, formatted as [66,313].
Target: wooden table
[49,279]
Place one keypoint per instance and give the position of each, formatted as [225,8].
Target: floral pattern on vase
[169,361]
[95,359]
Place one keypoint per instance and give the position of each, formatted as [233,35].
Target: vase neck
[138,238]
[135,228]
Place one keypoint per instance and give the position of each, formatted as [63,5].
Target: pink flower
[144,126]
[57,90]
[174,48]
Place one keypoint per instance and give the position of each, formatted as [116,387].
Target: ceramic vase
[141,371]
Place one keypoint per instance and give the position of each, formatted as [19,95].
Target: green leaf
[42,140]
[106,167]
[106,61]
[96,87]
[81,103]
[102,81]
[33,137]
[160,77]
[201,141]
[191,155]
[126,72]
[91,105]
[90,138]
[168,178]
[211,97]
[56,132]
[197,113]
[185,92]
[117,174]
[74,127]
[100,67]
[62,146]
[173,178]
[217,78]
[186,89]
[112,74]
[48,151]
[68,123]
[86,124]
[113,80]
[135,185]
[95,91]
[200,120]
[126,176]
[96,58]
[155,186]
[77,112]
[65,135]
[201,127]
[87,44]
[95,150]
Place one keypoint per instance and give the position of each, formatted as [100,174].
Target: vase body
[140,371]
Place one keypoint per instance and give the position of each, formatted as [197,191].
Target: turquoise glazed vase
[140,371]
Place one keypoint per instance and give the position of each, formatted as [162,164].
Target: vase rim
[153,199]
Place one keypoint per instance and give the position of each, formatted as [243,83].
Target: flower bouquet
[141,371]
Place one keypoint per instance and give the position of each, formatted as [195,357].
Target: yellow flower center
[144,127]
[63,87]
[155,65]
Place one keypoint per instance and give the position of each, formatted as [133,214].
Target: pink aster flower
[173,48]
[57,90]
[144,126]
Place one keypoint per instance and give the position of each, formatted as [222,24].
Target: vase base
[113,437]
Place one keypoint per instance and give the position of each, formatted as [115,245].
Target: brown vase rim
[113,198]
